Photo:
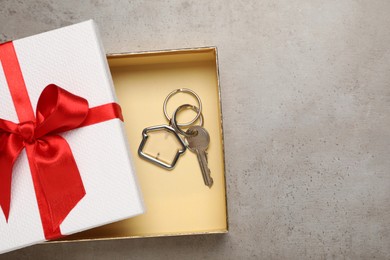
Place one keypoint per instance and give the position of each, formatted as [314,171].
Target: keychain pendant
[155,159]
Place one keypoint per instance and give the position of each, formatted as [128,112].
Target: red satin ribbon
[57,181]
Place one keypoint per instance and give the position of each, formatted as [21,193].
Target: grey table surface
[306,103]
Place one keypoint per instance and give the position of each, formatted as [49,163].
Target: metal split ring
[197,110]
[176,126]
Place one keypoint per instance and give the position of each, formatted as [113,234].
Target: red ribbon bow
[57,181]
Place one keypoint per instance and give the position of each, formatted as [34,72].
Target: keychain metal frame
[155,160]
[175,130]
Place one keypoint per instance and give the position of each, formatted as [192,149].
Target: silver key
[198,143]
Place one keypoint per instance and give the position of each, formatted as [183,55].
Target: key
[198,141]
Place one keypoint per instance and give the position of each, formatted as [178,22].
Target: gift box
[178,202]
[65,164]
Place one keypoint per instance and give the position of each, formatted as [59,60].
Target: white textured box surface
[72,58]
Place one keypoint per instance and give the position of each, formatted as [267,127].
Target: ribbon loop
[59,110]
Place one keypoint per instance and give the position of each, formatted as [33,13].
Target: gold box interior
[177,201]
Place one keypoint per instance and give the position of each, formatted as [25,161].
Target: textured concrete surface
[306,100]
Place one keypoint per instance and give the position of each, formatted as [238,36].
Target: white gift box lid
[74,59]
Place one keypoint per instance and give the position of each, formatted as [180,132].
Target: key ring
[198,110]
[176,126]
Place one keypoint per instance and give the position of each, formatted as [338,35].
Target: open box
[177,201]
